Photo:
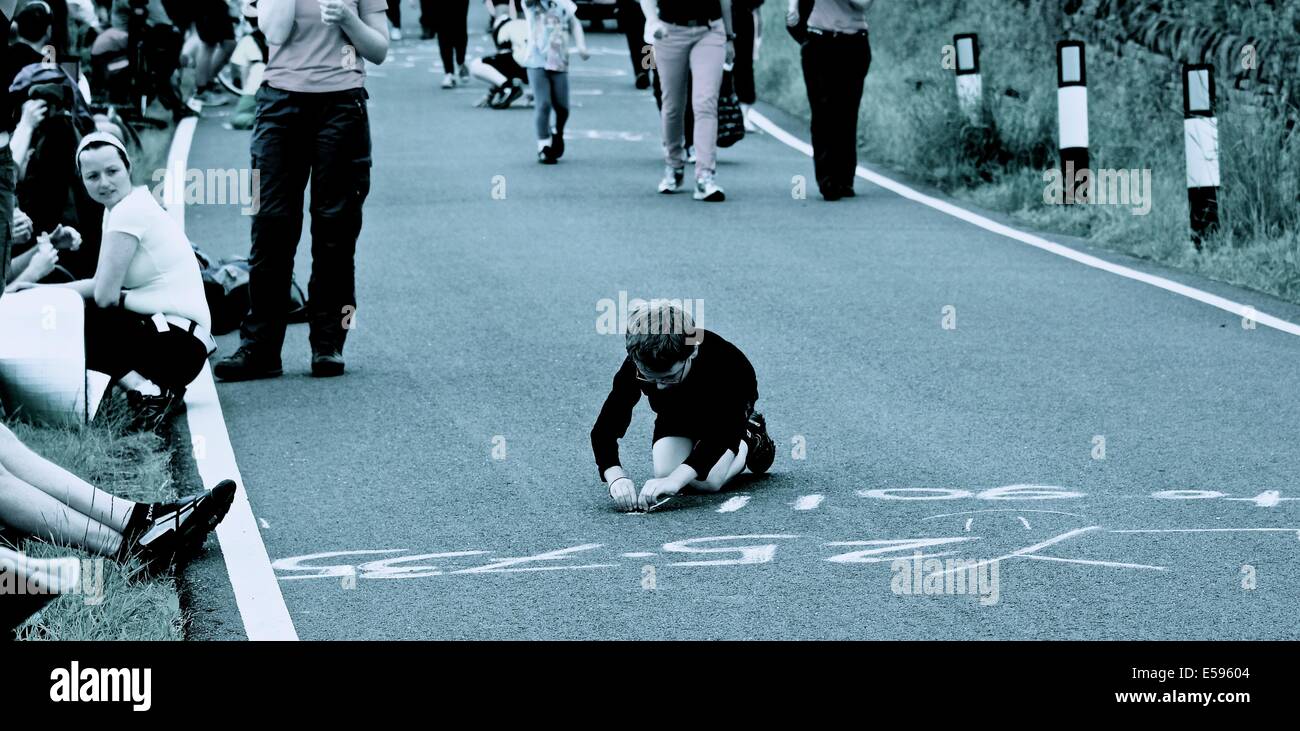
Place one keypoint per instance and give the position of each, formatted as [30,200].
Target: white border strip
[1226,305]
[257,592]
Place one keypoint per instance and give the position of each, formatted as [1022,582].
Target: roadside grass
[910,122]
[130,465]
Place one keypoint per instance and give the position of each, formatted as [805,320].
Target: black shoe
[643,81]
[546,156]
[327,365]
[176,531]
[246,365]
[832,194]
[762,450]
[151,413]
[505,96]
[847,191]
[557,146]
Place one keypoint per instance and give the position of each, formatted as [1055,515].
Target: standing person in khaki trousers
[693,42]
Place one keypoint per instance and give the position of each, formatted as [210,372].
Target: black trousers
[631,21]
[742,73]
[395,13]
[297,136]
[119,341]
[834,70]
[448,20]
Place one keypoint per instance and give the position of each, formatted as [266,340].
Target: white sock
[543,144]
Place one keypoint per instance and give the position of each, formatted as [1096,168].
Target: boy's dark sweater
[712,400]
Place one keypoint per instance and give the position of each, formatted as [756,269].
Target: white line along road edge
[1168,285]
[257,592]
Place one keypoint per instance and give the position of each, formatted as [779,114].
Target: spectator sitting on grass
[43,500]
[147,320]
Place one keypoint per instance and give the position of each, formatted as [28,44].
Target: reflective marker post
[1201,136]
[1072,114]
[969,85]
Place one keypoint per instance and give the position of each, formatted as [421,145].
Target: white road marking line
[1000,510]
[1210,530]
[1116,564]
[639,554]
[265,524]
[174,176]
[257,592]
[968,522]
[734,504]
[808,502]
[1168,285]
[1266,499]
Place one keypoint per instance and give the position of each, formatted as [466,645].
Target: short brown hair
[657,334]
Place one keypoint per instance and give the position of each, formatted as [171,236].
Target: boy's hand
[653,490]
[623,491]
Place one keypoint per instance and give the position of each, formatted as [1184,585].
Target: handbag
[731,118]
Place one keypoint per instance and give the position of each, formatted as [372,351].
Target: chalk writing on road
[738,550]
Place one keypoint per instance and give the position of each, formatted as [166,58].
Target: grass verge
[130,465]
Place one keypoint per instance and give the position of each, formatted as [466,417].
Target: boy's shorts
[677,425]
[507,65]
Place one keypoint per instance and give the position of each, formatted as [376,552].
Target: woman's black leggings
[118,342]
[450,20]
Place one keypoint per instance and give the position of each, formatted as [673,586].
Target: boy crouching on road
[702,390]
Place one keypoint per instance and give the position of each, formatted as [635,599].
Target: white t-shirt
[164,274]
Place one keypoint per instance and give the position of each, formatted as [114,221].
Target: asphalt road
[477,331]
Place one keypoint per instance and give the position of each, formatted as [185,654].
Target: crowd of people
[73,217]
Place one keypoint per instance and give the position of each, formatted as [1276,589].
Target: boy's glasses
[670,377]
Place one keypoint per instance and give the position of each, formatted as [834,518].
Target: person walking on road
[693,40]
[631,22]
[550,23]
[311,121]
[747,20]
[451,25]
[836,56]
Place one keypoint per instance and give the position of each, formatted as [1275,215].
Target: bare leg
[670,452]
[62,487]
[32,511]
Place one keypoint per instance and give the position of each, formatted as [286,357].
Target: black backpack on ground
[225,286]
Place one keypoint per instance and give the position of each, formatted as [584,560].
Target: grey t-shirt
[318,57]
[837,15]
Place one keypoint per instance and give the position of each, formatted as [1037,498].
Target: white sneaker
[395,34]
[690,154]
[672,181]
[449,81]
[707,190]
